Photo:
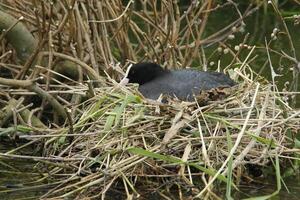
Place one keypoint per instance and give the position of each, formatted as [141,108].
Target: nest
[119,137]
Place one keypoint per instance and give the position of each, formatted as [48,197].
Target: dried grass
[115,137]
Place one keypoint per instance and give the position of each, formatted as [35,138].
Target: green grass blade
[171,159]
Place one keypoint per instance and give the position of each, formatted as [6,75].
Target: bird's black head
[144,72]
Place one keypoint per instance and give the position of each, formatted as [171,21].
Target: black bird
[153,81]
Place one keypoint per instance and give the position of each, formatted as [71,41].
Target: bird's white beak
[124,81]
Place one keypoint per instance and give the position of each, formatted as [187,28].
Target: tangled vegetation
[59,71]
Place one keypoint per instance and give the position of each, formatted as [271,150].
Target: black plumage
[183,84]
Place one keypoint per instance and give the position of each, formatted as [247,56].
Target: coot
[153,81]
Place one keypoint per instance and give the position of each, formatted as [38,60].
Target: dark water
[19,180]
[268,186]
[17,176]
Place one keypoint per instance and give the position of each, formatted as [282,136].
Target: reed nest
[95,137]
[120,137]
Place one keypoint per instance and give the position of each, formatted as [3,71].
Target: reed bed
[95,138]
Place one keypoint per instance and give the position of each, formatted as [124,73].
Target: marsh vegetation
[69,130]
